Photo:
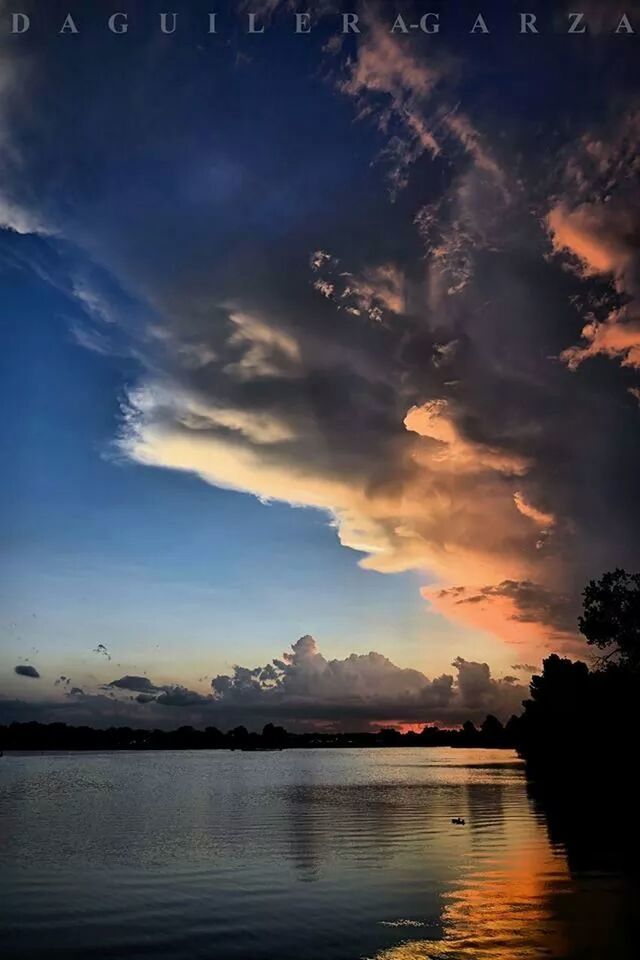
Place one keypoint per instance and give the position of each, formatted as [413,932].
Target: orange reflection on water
[501,908]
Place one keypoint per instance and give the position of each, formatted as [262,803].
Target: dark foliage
[59,736]
[579,719]
[611,617]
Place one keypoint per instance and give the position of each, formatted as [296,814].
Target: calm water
[299,855]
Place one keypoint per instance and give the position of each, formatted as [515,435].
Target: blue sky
[164,570]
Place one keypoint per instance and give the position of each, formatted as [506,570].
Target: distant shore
[40,737]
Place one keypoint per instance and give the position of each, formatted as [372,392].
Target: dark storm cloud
[536,604]
[172,695]
[429,370]
[82,708]
[179,696]
[26,670]
[533,602]
[137,684]
[145,698]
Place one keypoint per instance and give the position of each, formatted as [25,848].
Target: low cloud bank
[302,690]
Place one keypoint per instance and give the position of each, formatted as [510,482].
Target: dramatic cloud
[524,613]
[596,226]
[26,670]
[413,369]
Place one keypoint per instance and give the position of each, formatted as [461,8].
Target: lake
[293,855]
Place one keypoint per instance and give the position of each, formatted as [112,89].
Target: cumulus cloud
[303,683]
[303,689]
[26,670]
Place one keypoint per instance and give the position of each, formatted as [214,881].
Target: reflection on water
[338,855]
[500,908]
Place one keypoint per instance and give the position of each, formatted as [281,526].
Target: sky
[319,357]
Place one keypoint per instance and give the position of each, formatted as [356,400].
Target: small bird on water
[458,820]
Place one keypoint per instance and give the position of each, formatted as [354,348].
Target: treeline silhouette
[579,735]
[579,720]
[60,736]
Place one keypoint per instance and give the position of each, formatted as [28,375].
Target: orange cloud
[602,238]
[542,519]
[433,421]
[498,615]
[612,338]
[523,612]
[595,235]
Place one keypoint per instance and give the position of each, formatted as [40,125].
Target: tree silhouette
[611,617]
[273,735]
[492,731]
[470,734]
[575,714]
